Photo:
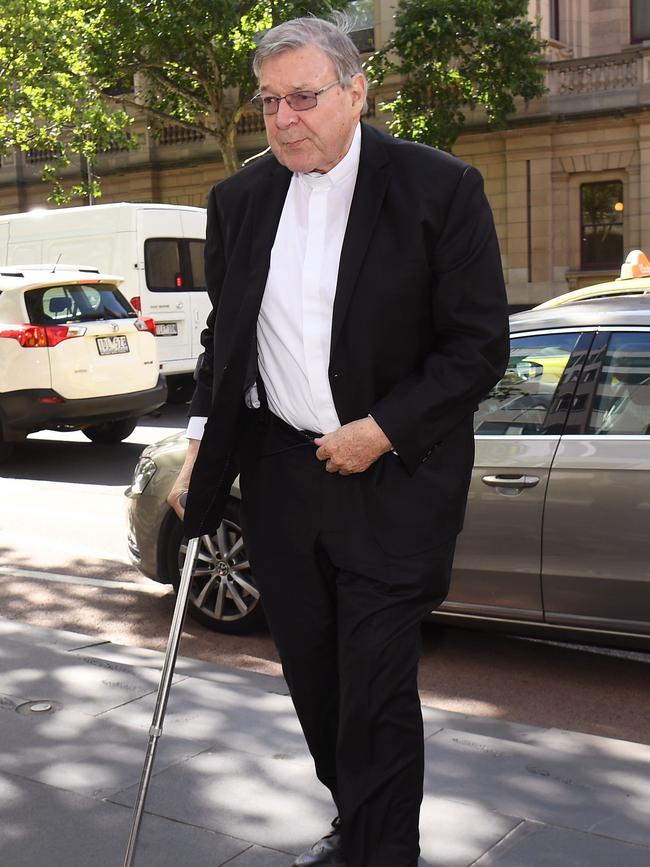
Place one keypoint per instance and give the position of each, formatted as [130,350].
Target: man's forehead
[295,69]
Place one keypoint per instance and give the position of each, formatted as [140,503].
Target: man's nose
[285,116]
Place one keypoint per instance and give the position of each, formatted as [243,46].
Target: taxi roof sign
[636,265]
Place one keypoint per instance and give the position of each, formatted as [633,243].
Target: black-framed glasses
[301,100]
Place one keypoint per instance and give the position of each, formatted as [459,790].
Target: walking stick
[155,730]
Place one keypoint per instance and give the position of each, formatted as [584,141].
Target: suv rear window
[79,302]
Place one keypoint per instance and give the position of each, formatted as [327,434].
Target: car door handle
[507,481]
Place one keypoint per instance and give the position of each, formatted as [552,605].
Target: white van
[158,249]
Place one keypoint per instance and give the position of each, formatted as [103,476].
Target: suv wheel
[110,431]
[223,592]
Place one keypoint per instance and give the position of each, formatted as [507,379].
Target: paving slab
[259,856]
[240,718]
[44,825]
[436,719]
[81,754]
[140,656]
[454,834]
[234,783]
[535,845]
[272,802]
[56,638]
[523,780]
[92,685]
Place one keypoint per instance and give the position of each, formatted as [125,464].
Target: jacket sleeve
[214,274]
[470,346]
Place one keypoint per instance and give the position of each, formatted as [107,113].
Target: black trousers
[345,616]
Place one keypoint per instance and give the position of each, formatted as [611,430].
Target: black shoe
[328,852]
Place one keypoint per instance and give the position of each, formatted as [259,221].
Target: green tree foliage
[50,99]
[454,55]
[191,61]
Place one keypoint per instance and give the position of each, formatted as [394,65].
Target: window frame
[605,265]
[185,260]
[576,425]
[554,19]
[635,40]
[563,396]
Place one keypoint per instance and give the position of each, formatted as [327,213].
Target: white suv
[74,355]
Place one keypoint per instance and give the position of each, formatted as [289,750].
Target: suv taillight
[136,303]
[145,323]
[37,336]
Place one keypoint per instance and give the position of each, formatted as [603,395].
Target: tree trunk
[228,147]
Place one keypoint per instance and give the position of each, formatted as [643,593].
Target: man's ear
[359,89]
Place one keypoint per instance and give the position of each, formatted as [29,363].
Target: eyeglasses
[301,100]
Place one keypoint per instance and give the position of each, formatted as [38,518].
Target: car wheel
[110,431]
[223,592]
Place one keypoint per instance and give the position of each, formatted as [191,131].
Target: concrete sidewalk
[233,783]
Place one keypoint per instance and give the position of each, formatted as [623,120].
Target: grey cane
[163,694]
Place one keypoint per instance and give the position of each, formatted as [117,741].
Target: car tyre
[110,431]
[223,593]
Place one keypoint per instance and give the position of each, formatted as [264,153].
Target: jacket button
[335,376]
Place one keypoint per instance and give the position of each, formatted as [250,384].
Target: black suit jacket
[419,330]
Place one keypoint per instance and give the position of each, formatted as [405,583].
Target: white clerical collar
[342,170]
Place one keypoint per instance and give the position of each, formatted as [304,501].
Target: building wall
[592,125]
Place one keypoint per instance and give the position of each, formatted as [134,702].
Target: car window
[76,303]
[622,400]
[520,404]
[196,249]
[162,264]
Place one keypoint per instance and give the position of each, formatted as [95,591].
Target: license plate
[112,345]
[166,329]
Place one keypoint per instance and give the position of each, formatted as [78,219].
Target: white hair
[331,37]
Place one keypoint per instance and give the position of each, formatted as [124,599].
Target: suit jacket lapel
[267,204]
[372,181]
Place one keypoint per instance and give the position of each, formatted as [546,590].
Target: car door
[193,222]
[596,544]
[163,291]
[497,568]
[199,300]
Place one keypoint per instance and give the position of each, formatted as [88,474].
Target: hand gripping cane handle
[163,694]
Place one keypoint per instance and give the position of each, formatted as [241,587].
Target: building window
[640,15]
[554,19]
[362,33]
[601,207]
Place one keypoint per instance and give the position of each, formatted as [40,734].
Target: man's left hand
[353,447]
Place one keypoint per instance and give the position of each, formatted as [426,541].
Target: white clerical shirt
[294,325]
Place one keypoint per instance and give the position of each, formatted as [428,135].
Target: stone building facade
[568,180]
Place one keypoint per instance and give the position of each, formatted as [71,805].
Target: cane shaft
[169,663]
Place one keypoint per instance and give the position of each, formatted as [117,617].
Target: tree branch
[161,115]
[184,94]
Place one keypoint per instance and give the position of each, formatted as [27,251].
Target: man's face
[318,138]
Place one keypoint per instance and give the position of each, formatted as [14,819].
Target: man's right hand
[182,483]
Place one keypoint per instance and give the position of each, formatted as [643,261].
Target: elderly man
[358,316]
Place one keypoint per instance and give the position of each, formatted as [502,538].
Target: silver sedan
[556,539]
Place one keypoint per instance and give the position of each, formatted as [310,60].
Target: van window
[197,249]
[77,303]
[174,264]
[162,263]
